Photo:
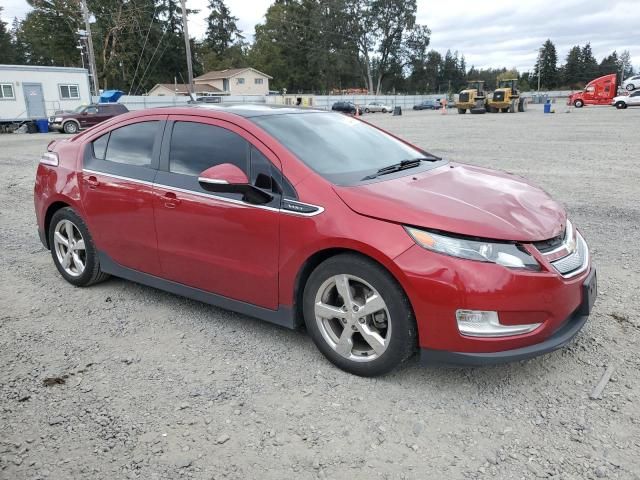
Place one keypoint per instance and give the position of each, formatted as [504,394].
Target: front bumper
[438,285]
[559,339]
[55,126]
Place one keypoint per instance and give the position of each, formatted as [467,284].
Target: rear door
[119,168]
[217,242]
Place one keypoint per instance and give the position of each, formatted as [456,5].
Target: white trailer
[30,92]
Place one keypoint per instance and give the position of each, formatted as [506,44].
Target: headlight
[505,254]
[57,119]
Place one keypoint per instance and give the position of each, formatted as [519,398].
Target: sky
[497,33]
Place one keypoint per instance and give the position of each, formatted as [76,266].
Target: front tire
[578,104]
[462,110]
[358,316]
[73,250]
[70,127]
[621,105]
[384,110]
[366,110]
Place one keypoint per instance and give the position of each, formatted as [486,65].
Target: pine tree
[547,66]
[7,54]
[572,70]
[590,69]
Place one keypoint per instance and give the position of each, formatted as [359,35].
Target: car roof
[246,110]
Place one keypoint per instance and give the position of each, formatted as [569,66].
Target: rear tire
[384,110]
[462,110]
[73,250]
[70,127]
[630,87]
[522,105]
[371,345]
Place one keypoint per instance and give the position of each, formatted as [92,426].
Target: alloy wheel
[70,248]
[353,318]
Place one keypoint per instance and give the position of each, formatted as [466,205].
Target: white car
[632,83]
[624,101]
[377,107]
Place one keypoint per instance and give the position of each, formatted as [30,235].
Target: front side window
[6,91]
[340,148]
[195,147]
[69,92]
[131,144]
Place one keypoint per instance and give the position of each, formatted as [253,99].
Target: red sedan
[316,218]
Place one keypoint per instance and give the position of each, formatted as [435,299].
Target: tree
[380,27]
[625,65]
[547,66]
[572,70]
[7,54]
[49,33]
[590,69]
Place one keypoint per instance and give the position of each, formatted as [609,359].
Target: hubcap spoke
[372,338]
[345,344]
[342,285]
[61,240]
[77,262]
[66,260]
[328,311]
[79,245]
[68,226]
[374,304]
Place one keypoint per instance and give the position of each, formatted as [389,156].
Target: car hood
[461,199]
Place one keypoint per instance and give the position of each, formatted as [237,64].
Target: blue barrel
[547,107]
[43,125]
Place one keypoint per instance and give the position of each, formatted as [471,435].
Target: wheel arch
[72,120]
[51,211]
[313,261]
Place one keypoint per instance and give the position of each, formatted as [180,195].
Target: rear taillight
[50,158]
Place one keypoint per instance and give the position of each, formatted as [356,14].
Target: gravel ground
[124,381]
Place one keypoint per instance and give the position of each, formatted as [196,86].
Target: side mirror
[84,112]
[228,178]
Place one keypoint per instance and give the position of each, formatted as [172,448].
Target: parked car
[428,105]
[624,101]
[207,99]
[346,107]
[377,107]
[85,116]
[631,83]
[304,216]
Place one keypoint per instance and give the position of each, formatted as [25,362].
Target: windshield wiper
[402,165]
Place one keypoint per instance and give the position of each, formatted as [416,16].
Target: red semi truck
[597,92]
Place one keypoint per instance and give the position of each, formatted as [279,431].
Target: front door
[119,168]
[34,100]
[216,242]
[634,98]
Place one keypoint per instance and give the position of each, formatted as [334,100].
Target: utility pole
[187,44]
[92,58]
[539,62]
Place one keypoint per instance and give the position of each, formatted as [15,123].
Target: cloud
[499,33]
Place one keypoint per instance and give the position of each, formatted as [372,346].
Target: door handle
[93,182]
[171,200]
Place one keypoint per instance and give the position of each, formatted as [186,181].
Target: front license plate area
[589,293]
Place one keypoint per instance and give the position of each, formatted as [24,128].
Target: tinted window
[196,147]
[338,147]
[100,146]
[133,144]
[261,171]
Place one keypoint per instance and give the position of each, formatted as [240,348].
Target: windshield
[340,148]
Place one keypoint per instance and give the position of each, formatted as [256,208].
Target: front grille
[498,96]
[463,97]
[576,261]
[568,253]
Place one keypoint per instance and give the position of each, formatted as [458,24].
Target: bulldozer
[506,98]
[472,98]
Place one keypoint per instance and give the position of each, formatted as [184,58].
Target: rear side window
[196,147]
[131,145]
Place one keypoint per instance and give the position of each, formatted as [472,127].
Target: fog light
[479,323]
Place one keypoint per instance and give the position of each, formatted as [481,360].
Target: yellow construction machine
[506,98]
[472,98]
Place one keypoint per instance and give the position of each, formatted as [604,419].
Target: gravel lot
[157,386]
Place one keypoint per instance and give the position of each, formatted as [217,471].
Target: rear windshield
[338,147]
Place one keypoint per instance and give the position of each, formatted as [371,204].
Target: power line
[142,51]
